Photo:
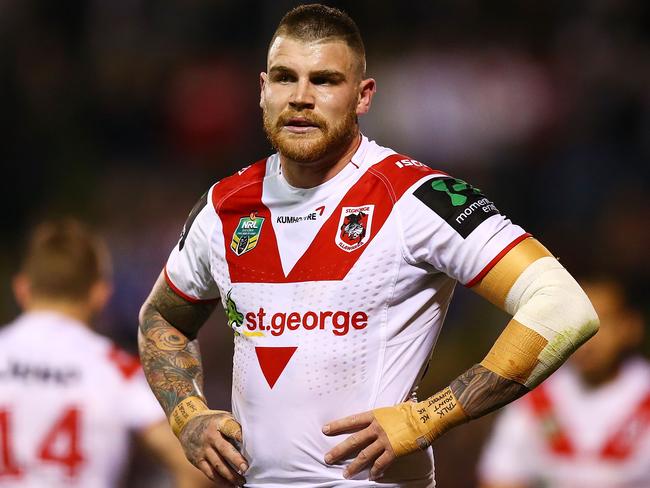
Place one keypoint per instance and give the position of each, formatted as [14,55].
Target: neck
[309,175]
[77,311]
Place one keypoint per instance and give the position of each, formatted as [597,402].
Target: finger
[205,468]
[348,424]
[230,428]
[350,446]
[365,458]
[222,468]
[230,454]
[210,473]
[381,464]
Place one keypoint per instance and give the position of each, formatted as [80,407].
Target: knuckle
[380,464]
[354,440]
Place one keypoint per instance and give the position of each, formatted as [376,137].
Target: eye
[283,78]
[321,80]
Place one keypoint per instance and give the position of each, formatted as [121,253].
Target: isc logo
[408,162]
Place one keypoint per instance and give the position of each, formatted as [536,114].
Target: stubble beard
[304,149]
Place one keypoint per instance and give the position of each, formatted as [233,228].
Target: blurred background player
[69,398]
[587,425]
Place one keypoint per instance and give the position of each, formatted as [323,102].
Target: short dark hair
[316,22]
[64,259]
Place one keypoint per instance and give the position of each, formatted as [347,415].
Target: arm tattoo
[168,347]
[480,391]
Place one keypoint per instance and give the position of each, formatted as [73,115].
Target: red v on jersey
[555,433]
[273,360]
[618,447]
[324,260]
[621,445]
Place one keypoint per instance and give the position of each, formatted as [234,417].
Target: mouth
[300,125]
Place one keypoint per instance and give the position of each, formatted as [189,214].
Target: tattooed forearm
[186,316]
[480,391]
[170,359]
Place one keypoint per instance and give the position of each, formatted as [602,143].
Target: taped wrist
[186,410]
[411,426]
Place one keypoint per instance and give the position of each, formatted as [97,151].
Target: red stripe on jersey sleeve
[496,259]
[182,294]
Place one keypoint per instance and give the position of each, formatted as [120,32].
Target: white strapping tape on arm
[548,300]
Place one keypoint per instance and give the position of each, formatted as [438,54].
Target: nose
[302,96]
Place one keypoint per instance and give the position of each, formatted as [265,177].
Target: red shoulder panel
[127,364]
[244,177]
[399,173]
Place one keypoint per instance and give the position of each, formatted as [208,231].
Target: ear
[99,295]
[22,290]
[633,323]
[263,78]
[367,89]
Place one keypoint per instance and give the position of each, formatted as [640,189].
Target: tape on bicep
[496,285]
[552,317]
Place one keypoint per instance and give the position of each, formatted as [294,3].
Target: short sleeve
[508,455]
[140,406]
[451,225]
[188,270]
[137,406]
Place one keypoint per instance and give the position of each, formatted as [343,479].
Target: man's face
[620,331]
[311,97]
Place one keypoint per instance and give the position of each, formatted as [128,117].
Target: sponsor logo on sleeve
[247,234]
[460,204]
[354,227]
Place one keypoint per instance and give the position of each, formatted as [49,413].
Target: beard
[311,148]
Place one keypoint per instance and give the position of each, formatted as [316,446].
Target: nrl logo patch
[247,234]
[354,227]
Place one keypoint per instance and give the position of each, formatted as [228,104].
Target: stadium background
[123,112]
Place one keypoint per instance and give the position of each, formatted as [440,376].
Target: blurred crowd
[123,112]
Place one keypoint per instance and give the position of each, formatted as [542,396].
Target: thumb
[231,428]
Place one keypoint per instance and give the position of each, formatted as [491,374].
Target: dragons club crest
[354,227]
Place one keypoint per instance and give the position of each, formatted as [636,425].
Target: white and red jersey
[336,295]
[565,435]
[68,401]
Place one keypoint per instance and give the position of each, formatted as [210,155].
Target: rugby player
[69,398]
[588,424]
[335,259]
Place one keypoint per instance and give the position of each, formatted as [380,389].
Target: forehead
[310,55]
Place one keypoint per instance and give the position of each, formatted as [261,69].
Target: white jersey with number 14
[68,400]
